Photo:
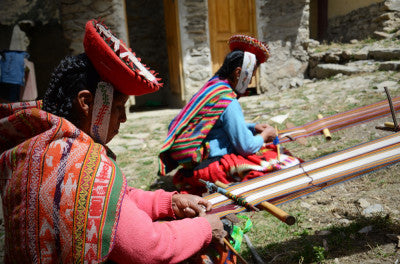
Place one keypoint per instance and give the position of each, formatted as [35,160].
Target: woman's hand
[217,227]
[188,205]
[268,133]
[260,127]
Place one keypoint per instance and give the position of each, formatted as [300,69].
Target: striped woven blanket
[305,178]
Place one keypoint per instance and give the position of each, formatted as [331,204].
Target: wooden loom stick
[278,149]
[269,207]
[389,124]
[236,199]
[326,132]
[395,124]
[234,250]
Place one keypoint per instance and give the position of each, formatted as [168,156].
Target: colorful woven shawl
[187,131]
[61,193]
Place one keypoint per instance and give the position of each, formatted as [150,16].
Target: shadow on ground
[336,242]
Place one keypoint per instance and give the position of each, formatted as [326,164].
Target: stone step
[326,70]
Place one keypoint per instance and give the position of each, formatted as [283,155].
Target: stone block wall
[195,45]
[76,13]
[284,25]
[358,24]
[375,21]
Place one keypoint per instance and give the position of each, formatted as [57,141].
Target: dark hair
[233,60]
[72,75]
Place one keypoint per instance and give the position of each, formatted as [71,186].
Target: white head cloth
[101,112]
[249,61]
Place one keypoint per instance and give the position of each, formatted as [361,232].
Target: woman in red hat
[210,139]
[65,199]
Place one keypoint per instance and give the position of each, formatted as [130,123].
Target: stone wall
[76,13]
[358,24]
[284,25]
[374,21]
[193,16]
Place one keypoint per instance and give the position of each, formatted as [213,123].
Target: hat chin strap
[249,61]
[101,112]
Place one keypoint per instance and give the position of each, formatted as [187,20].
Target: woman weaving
[65,199]
[210,139]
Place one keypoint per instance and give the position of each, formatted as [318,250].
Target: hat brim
[250,44]
[116,63]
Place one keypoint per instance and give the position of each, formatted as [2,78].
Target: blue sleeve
[240,136]
[252,127]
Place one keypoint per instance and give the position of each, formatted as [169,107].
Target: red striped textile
[305,178]
[342,120]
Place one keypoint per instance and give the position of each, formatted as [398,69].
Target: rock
[331,58]
[322,71]
[346,55]
[365,230]
[389,66]
[325,244]
[385,54]
[389,84]
[381,35]
[305,205]
[360,55]
[344,221]
[392,5]
[372,210]
[323,233]
[363,203]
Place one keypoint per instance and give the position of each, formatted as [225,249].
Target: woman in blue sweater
[210,139]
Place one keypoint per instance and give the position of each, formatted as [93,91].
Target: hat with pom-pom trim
[116,63]
[250,44]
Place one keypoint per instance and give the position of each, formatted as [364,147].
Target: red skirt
[232,168]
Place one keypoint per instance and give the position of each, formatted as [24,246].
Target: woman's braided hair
[233,60]
[72,75]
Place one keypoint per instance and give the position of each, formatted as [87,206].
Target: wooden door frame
[174,48]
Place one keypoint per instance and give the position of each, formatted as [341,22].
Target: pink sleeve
[157,204]
[140,240]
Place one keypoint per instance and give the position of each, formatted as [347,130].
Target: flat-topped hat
[250,44]
[116,63]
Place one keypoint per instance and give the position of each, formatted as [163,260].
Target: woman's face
[236,75]
[118,114]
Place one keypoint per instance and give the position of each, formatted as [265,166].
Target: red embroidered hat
[250,44]
[116,63]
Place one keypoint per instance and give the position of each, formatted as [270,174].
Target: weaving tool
[269,207]
[389,126]
[238,200]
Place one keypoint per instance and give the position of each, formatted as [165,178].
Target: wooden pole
[269,207]
[278,147]
[234,251]
[326,132]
